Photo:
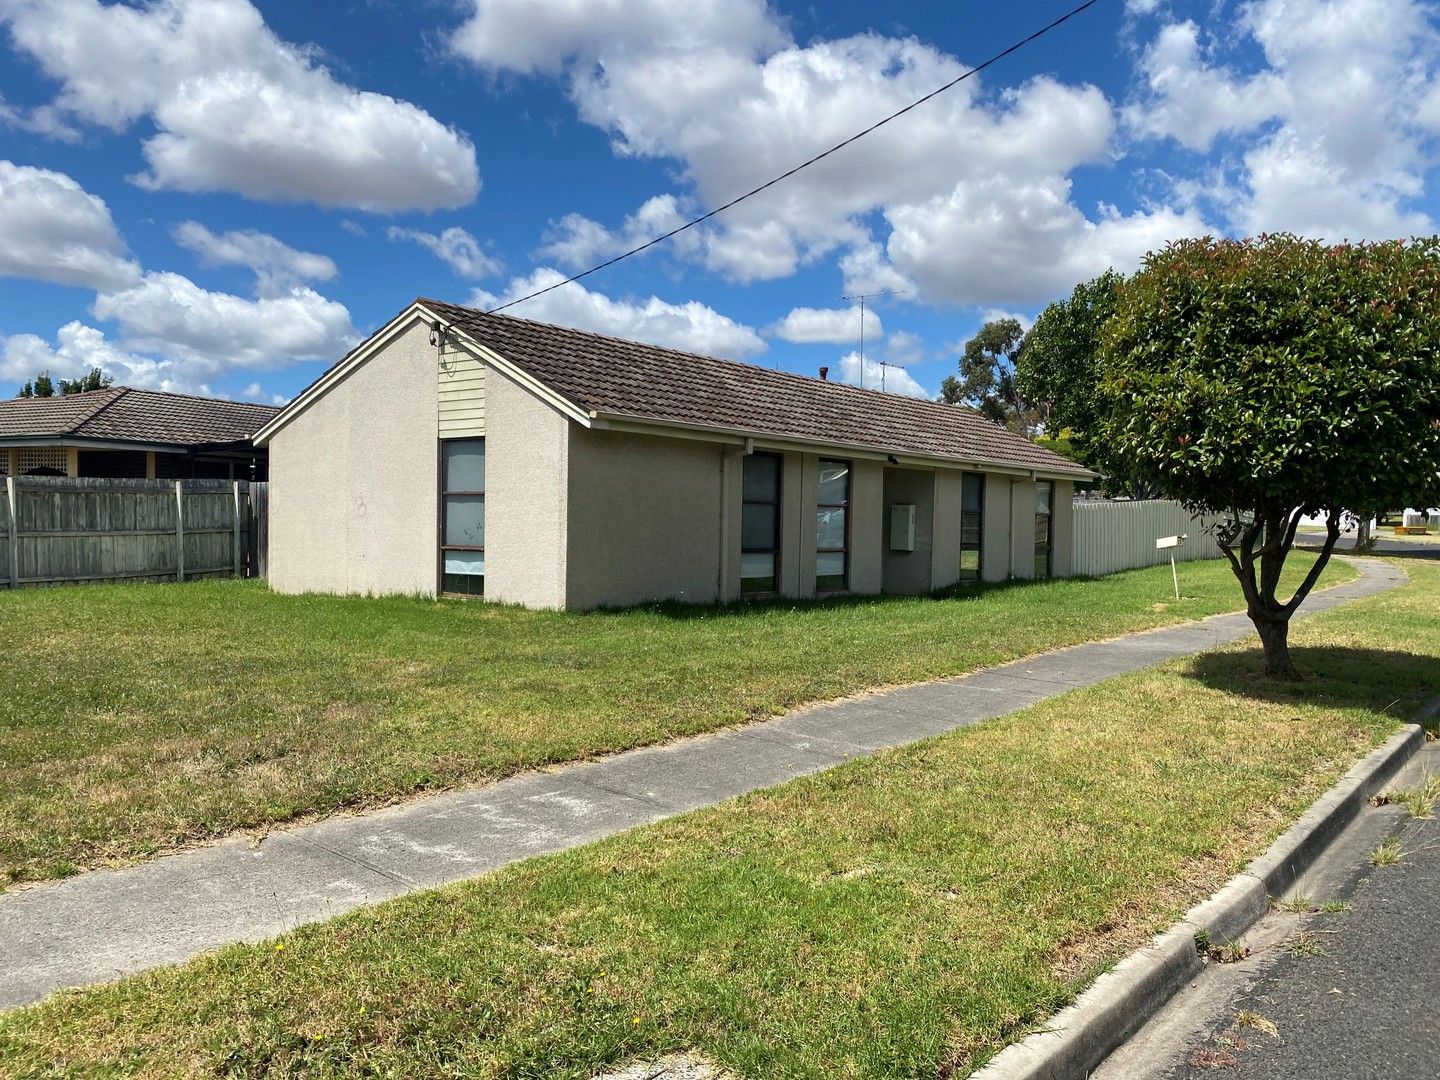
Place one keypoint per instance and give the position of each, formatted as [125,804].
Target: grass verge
[137,719]
[901,916]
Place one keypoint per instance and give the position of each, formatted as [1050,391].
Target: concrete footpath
[108,923]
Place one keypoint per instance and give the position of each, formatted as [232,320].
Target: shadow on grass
[1377,679]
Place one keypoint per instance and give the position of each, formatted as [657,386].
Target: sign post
[1171,543]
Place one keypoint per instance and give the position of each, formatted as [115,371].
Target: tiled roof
[614,377]
[124,414]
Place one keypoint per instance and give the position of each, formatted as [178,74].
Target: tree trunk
[1275,637]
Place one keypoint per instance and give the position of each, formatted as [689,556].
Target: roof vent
[824,373]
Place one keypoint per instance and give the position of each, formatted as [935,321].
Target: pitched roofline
[587,418]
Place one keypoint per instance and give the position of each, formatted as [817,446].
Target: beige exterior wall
[462,394]
[354,480]
[644,518]
[1022,528]
[867,526]
[995,550]
[909,573]
[945,541]
[794,521]
[1062,529]
[527,463]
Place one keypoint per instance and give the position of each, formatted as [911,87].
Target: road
[1345,995]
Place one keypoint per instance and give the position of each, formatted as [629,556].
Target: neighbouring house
[460,452]
[124,432]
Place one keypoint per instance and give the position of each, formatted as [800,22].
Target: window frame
[844,586]
[979,546]
[1049,546]
[778,505]
[443,497]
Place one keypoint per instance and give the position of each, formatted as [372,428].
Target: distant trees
[43,386]
[987,378]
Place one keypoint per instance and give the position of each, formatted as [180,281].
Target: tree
[1056,366]
[44,386]
[987,378]
[95,379]
[1262,380]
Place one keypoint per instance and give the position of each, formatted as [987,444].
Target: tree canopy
[1262,380]
[43,386]
[987,378]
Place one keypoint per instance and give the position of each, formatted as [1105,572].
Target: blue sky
[220,197]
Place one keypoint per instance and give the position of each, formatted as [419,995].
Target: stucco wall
[945,531]
[1062,529]
[995,529]
[1022,529]
[867,529]
[644,518]
[353,480]
[909,572]
[527,454]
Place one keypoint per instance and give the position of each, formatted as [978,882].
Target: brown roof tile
[625,378]
[125,414]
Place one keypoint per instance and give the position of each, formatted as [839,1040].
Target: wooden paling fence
[1113,536]
[56,530]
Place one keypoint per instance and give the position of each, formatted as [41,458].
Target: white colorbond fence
[1114,536]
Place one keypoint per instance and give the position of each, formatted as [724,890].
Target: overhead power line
[804,164]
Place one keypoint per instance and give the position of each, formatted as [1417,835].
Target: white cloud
[278,267]
[722,89]
[877,376]
[237,109]
[834,326]
[256,392]
[455,247]
[79,348]
[903,348]
[691,326]
[208,333]
[578,242]
[1340,133]
[52,229]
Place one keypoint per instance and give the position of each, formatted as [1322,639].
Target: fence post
[236,571]
[179,531]
[13,547]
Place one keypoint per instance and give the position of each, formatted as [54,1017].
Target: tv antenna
[862,297]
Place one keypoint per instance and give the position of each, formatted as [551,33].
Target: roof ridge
[774,371]
[117,392]
[196,397]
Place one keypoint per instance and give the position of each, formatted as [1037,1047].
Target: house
[136,434]
[461,452]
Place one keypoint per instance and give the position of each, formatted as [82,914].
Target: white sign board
[1171,541]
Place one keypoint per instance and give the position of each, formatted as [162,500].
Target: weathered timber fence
[1114,536]
[56,530]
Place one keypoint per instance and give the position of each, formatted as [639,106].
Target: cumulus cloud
[722,89]
[277,266]
[213,332]
[577,242]
[690,326]
[1338,135]
[237,109]
[455,247]
[52,229]
[834,326]
[77,349]
[877,376]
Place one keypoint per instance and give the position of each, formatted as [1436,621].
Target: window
[832,527]
[1044,491]
[972,525]
[760,525]
[462,516]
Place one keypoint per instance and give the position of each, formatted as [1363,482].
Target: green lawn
[902,916]
[140,718]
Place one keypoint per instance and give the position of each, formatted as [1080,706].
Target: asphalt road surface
[1352,994]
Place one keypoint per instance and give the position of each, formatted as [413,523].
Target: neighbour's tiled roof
[124,414]
[625,378]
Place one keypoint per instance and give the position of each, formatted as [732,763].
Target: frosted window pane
[834,482]
[464,562]
[465,520]
[757,566]
[464,464]
[830,528]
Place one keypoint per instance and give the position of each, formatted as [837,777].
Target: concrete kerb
[1080,1036]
